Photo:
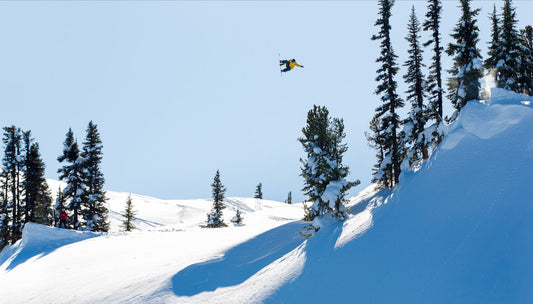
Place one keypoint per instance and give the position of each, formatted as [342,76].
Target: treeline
[25,195]
[402,142]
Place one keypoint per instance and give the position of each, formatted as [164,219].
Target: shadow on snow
[239,263]
[39,241]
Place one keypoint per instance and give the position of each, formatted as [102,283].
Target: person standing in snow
[289,65]
[63,219]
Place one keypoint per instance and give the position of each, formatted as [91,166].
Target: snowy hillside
[139,266]
[458,230]
[157,214]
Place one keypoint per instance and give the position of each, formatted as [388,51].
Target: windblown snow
[458,230]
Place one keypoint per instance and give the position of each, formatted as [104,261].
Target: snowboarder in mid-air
[289,65]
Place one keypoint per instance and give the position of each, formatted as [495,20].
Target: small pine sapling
[259,191]
[237,219]
[289,198]
[129,216]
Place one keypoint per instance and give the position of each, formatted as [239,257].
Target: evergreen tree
[259,191]
[526,58]
[289,198]
[129,216]
[323,171]
[338,185]
[375,141]
[12,167]
[37,196]
[4,223]
[237,219]
[386,117]
[316,144]
[214,219]
[490,62]
[434,88]
[414,125]
[507,55]
[464,84]
[73,174]
[95,211]
[5,230]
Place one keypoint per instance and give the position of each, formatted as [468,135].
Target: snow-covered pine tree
[214,219]
[464,83]
[507,55]
[237,219]
[316,143]
[12,166]
[73,174]
[386,117]
[434,87]
[259,191]
[323,172]
[414,125]
[289,198]
[129,216]
[490,62]
[338,186]
[95,211]
[37,197]
[526,58]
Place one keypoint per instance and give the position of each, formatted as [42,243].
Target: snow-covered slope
[458,230]
[64,266]
[157,214]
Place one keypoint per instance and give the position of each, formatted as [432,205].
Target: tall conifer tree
[386,117]
[214,219]
[490,62]
[435,88]
[414,125]
[526,58]
[95,211]
[37,195]
[12,167]
[508,50]
[73,174]
[464,83]
[4,218]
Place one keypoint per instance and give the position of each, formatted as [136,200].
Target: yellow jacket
[292,64]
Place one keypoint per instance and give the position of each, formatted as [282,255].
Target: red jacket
[62,215]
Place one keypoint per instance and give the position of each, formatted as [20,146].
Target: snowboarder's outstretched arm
[294,64]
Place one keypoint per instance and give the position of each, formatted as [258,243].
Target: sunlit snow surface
[458,230]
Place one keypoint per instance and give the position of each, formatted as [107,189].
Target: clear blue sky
[181,89]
